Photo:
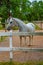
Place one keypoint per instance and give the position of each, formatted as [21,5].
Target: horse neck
[19,22]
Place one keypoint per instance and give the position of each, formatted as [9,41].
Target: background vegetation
[23,9]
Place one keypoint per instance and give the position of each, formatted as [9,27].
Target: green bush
[15,28]
[1,27]
[2,38]
[26,22]
[37,27]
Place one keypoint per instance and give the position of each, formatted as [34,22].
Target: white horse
[30,27]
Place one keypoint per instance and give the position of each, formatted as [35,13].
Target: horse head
[10,23]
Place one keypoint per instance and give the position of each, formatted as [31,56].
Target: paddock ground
[23,56]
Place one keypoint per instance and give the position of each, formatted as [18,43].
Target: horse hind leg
[25,40]
[32,39]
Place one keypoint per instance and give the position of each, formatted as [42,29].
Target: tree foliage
[23,9]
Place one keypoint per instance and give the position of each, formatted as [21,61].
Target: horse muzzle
[9,28]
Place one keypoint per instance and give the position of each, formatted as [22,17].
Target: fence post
[10,41]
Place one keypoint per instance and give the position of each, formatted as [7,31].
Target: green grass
[25,63]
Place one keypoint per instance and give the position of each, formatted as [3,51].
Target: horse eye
[10,22]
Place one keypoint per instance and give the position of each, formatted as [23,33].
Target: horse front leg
[20,40]
[30,40]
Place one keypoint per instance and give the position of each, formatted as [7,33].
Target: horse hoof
[29,45]
[25,51]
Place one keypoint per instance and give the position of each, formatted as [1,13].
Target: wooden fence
[11,48]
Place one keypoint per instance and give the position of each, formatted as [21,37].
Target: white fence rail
[11,48]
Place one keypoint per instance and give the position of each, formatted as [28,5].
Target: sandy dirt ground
[23,56]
